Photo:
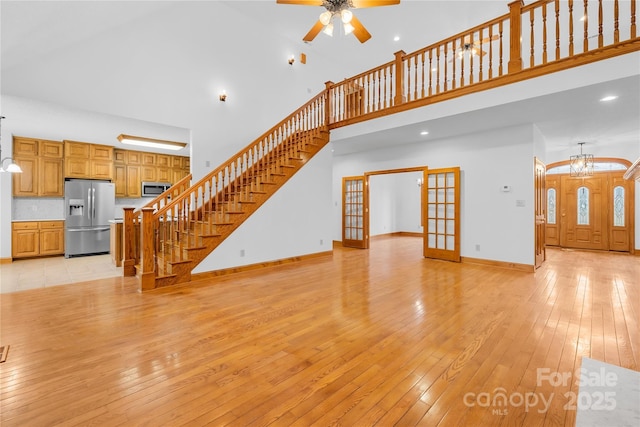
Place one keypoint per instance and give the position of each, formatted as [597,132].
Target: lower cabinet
[37,238]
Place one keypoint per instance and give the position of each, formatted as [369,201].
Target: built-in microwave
[153,189]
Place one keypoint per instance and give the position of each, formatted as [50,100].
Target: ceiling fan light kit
[341,8]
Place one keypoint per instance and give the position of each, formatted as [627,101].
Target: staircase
[183,226]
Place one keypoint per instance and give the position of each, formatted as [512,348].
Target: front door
[584,212]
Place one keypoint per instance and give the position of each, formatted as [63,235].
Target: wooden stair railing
[131,223]
[531,40]
[540,38]
[176,237]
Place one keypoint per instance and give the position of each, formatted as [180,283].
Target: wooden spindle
[544,33]
[531,38]
[616,22]
[557,9]
[600,23]
[570,3]
[585,21]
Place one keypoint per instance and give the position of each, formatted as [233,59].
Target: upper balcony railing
[539,38]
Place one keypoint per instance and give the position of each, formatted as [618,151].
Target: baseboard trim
[225,271]
[526,268]
[397,234]
[6,260]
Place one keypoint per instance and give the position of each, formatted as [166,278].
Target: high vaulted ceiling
[80,54]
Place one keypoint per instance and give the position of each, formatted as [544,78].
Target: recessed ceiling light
[609,98]
[396,38]
[424,132]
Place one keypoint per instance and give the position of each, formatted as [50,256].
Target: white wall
[295,221]
[489,160]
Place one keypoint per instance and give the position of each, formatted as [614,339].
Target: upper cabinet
[42,168]
[132,168]
[84,160]
[45,164]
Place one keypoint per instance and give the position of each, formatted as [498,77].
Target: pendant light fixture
[12,167]
[581,164]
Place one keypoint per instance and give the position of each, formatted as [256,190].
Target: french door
[355,217]
[540,212]
[441,191]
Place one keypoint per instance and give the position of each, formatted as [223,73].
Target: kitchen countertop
[37,220]
[116,221]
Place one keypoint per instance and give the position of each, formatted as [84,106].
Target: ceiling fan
[341,9]
[474,48]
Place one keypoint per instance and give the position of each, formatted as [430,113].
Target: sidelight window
[618,206]
[551,206]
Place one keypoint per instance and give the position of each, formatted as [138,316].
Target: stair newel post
[128,243]
[399,66]
[147,238]
[515,22]
[328,113]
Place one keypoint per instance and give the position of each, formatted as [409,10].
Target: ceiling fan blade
[301,2]
[374,3]
[489,39]
[313,32]
[359,31]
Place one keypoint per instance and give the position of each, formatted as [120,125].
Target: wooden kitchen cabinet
[51,237]
[119,156]
[25,239]
[134,186]
[149,174]
[37,238]
[84,160]
[148,159]
[42,168]
[163,175]
[163,160]
[120,180]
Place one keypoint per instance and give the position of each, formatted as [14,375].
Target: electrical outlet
[241,252]
[321,242]
[478,248]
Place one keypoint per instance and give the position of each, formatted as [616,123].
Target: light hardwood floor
[365,337]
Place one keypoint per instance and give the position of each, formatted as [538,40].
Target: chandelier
[581,164]
[337,8]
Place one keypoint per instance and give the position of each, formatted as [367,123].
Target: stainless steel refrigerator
[89,206]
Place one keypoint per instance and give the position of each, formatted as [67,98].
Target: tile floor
[37,273]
